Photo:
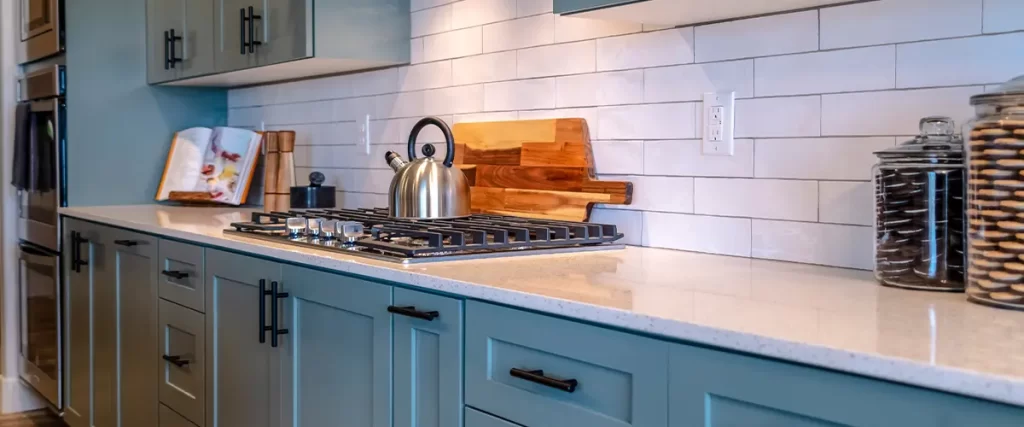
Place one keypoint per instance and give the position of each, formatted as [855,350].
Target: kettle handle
[449,140]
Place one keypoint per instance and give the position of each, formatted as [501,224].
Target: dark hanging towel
[33,167]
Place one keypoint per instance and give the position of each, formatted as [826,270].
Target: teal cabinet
[231,32]
[710,388]
[81,239]
[336,352]
[428,360]
[476,418]
[540,371]
[284,32]
[132,276]
[243,375]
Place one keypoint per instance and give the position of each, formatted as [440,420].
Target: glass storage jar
[919,205]
[995,197]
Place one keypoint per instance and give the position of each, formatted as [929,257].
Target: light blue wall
[119,128]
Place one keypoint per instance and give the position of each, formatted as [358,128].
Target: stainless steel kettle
[423,187]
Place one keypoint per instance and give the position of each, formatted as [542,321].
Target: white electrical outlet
[718,123]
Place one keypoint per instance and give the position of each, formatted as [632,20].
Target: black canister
[314,196]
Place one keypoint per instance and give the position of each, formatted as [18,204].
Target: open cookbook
[219,161]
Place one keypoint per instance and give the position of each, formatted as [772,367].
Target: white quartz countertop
[828,317]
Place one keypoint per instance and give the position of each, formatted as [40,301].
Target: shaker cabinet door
[197,43]
[242,387]
[283,31]
[231,30]
[163,16]
[337,350]
[79,282]
[133,276]
[428,360]
[711,388]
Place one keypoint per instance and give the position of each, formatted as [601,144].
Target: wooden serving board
[534,168]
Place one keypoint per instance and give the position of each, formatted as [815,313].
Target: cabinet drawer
[169,418]
[182,361]
[476,418]
[520,366]
[182,275]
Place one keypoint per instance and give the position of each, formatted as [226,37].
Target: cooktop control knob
[327,229]
[296,226]
[348,231]
[313,227]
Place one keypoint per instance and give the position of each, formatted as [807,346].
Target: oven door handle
[33,251]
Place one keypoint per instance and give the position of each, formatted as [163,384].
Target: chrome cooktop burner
[372,233]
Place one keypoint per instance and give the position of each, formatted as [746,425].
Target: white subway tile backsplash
[520,33]
[893,112]
[618,157]
[491,67]
[769,35]
[690,82]
[570,29]
[453,44]
[827,244]
[1003,15]
[612,88]
[430,75]
[817,93]
[711,234]
[992,59]
[556,60]
[818,158]
[895,21]
[668,47]
[472,13]
[846,202]
[431,21]
[519,95]
[374,82]
[651,121]
[534,7]
[684,158]
[778,117]
[851,70]
[757,198]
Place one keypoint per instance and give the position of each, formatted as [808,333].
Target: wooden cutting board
[534,168]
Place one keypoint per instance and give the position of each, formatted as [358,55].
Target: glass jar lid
[937,143]
[1009,94]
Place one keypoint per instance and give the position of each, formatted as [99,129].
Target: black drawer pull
[274,330]
[174,274]
[263,309]
[128,243]
[176,360]
[537,376]
[412,312]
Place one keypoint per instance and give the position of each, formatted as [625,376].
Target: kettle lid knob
[428,150]
[316,179]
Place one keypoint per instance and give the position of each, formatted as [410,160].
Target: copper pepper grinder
[271,197]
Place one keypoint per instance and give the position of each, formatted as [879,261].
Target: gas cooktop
[372,233]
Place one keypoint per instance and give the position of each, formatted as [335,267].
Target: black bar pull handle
[74,251]
[241,29]
[174,274]
[176,360]
[128,243]
[263,311]
[274,296]
[252,30]
[167,50]
[411,311]
[537,376]
[173,54]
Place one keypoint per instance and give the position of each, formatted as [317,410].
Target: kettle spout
[394,160]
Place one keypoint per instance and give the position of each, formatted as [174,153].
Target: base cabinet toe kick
[174,334]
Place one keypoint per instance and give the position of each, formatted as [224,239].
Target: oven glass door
[39,277]
[38,219]
[37,17]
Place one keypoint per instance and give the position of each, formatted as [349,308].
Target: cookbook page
[228,164]
[185,161]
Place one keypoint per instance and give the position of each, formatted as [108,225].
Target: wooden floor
[41,418]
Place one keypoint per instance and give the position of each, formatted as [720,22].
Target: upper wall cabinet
[244,42]
[683,12]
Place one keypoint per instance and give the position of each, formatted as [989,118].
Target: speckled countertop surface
[828,317]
